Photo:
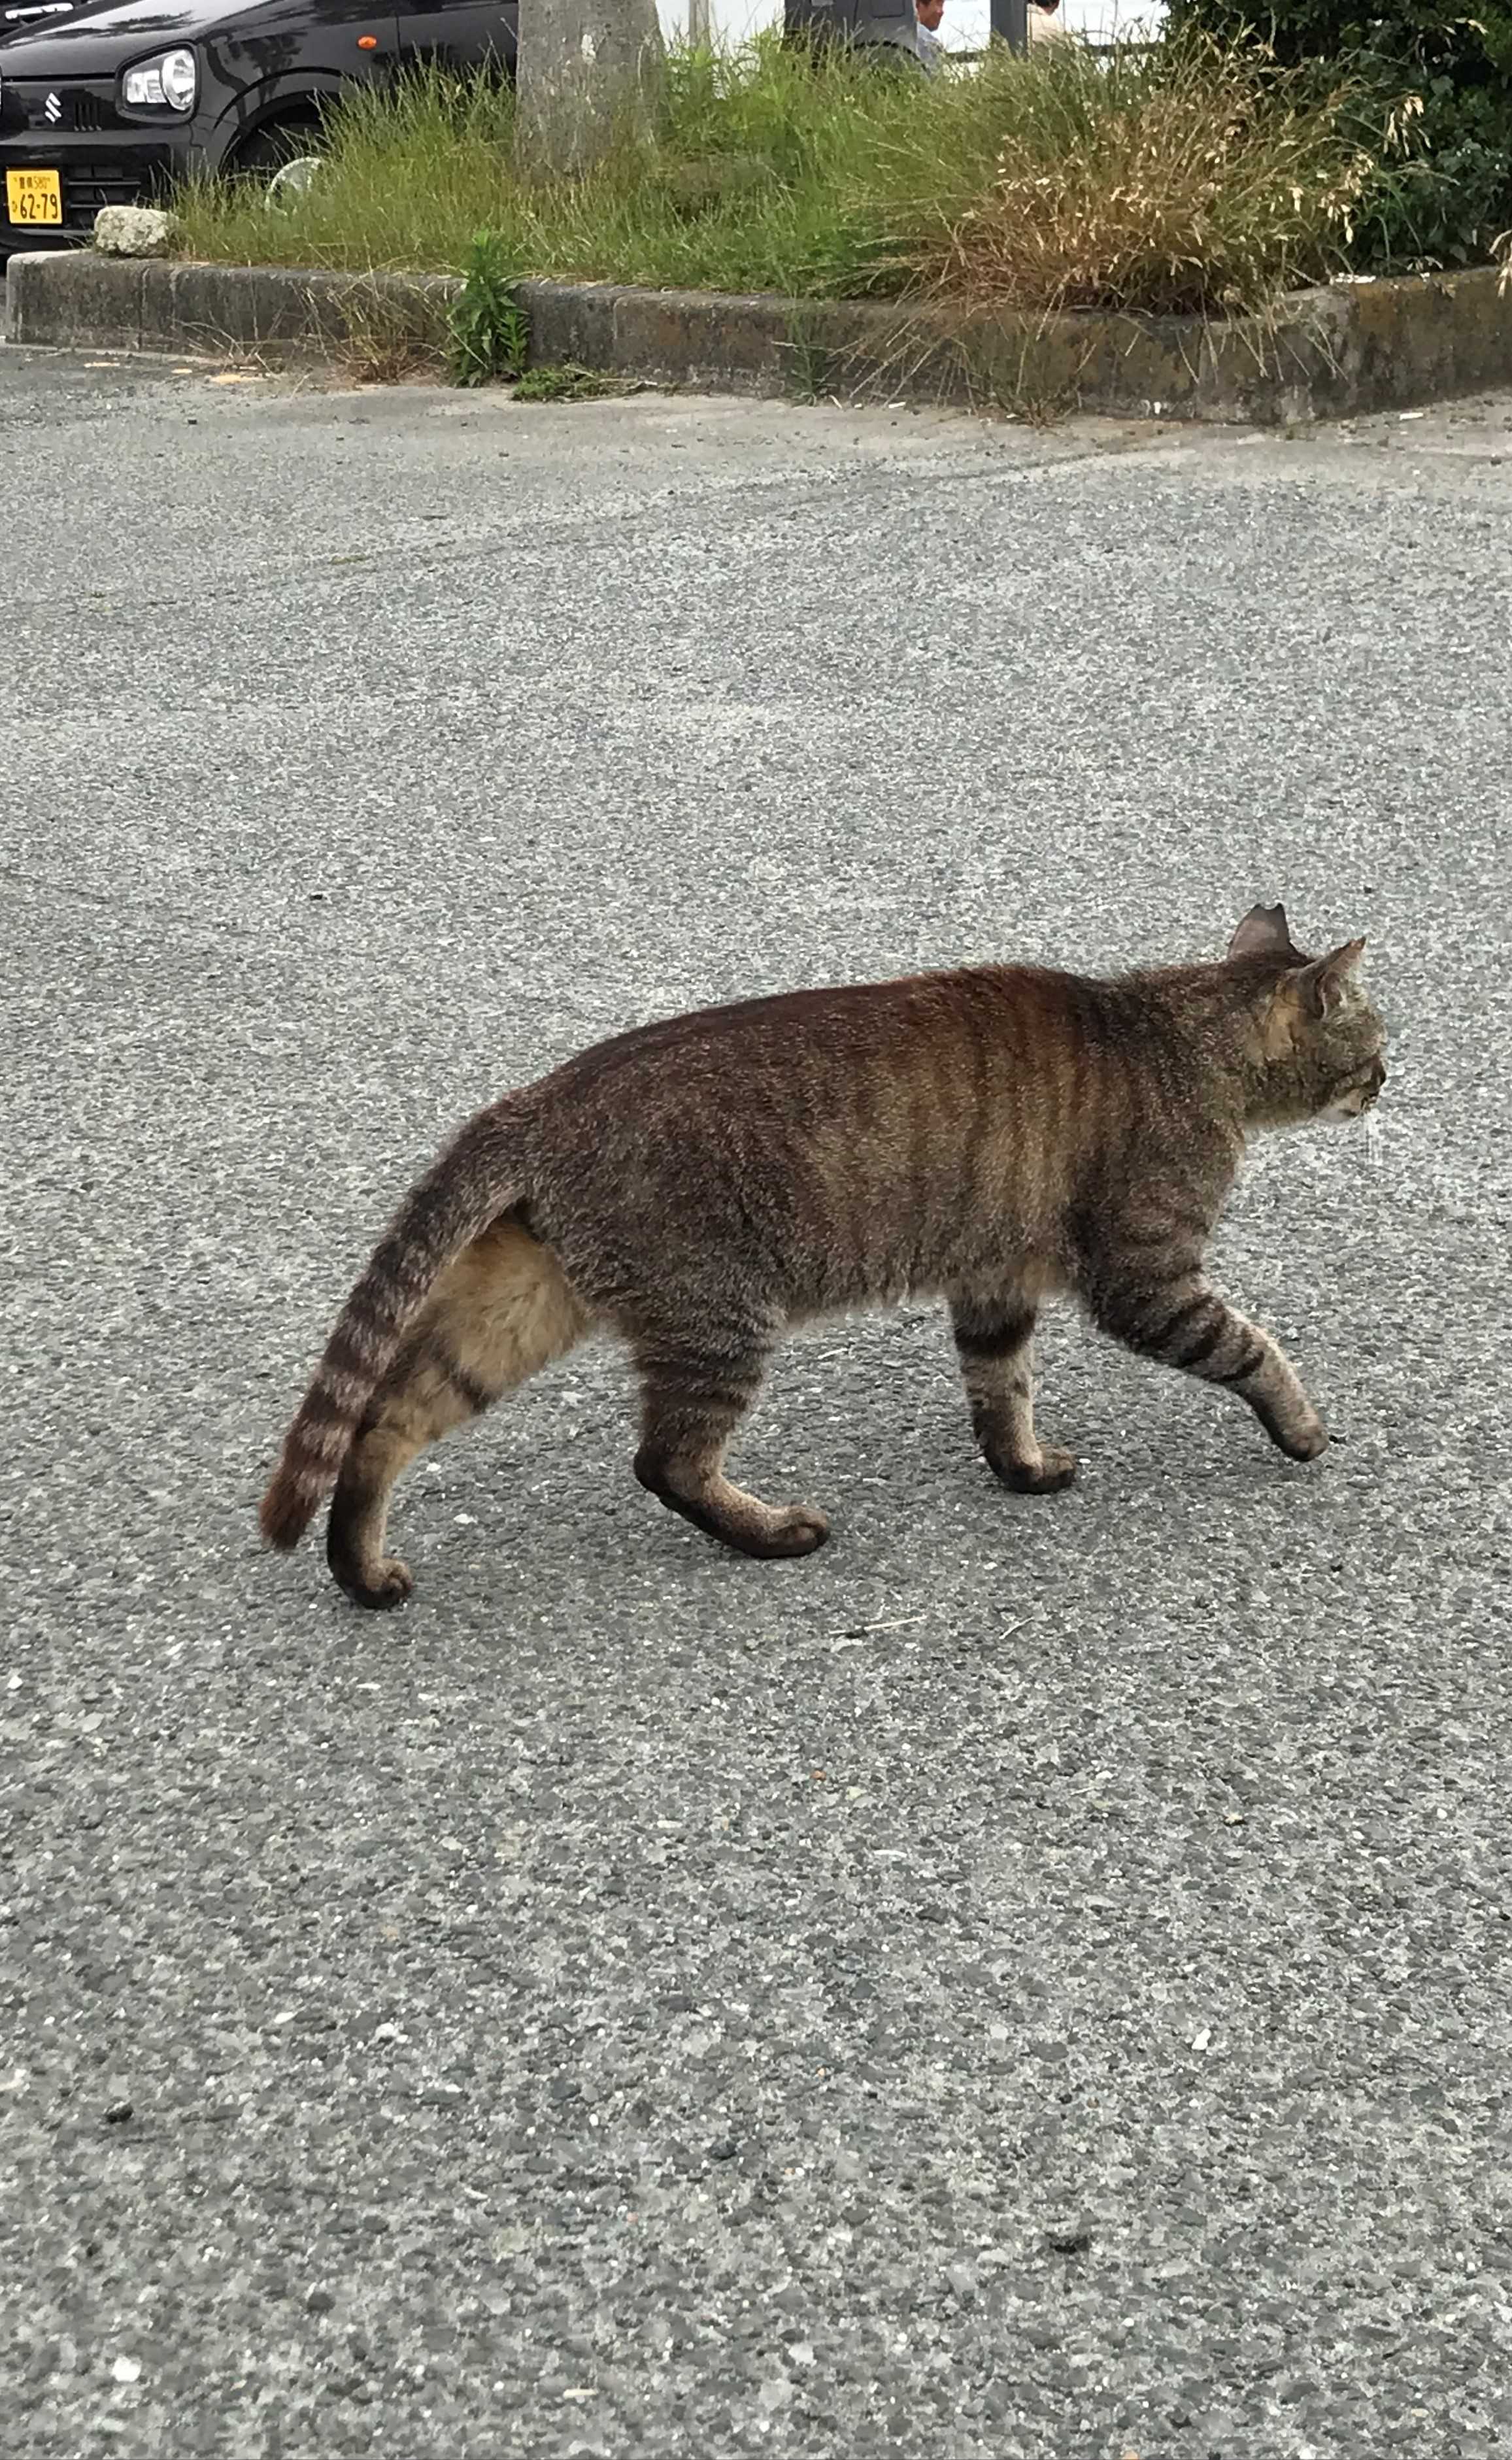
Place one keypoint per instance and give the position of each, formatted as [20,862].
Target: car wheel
[283,161]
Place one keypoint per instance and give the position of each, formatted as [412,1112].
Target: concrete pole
[1009,22]
[586,75]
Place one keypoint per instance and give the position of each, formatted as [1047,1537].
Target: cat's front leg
[995,1345]
[1184,1323]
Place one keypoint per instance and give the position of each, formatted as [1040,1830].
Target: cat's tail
[478,1178]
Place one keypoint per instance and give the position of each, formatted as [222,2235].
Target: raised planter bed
[1337,352]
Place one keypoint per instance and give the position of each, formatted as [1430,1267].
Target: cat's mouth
[1356,1100]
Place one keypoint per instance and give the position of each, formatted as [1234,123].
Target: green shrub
[1436,91]
[488,333]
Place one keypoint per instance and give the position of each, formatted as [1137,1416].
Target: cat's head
[1319,1042]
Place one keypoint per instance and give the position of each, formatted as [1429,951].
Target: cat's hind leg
[501,1312]
[994,1342]
[693,1394]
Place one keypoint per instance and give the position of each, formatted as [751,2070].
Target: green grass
[566,383]
[1185,181]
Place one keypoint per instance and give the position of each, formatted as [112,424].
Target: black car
[109,102]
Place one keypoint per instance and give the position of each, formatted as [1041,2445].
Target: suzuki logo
[52,110]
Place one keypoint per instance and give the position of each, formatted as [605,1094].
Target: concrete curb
[1328,354]
[78,300]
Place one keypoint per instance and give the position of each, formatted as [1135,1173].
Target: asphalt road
[1031,1982]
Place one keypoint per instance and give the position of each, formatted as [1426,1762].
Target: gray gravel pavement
[1031,1982]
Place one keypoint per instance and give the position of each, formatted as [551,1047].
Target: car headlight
[172,78]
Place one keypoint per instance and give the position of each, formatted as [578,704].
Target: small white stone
[126,2370]
[134,230]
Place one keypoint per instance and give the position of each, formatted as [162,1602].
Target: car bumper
[93,171]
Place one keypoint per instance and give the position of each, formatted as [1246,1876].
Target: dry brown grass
[384,344]
[1208,183]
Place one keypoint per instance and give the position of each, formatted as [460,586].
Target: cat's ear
[1262,933]
[1324,984]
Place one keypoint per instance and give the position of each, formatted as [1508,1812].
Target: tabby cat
[994,1136]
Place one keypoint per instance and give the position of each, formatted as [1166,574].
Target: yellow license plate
[34,197]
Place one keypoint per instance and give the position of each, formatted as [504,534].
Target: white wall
[965,21]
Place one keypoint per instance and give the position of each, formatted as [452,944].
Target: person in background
[1046,24]
[931,51]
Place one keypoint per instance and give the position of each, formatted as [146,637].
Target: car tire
[272,149]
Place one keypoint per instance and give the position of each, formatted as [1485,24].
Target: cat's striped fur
[994,1136]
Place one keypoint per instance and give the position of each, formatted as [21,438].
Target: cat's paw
[1054,1469]
[1303,1442]
[392,1585]
[800,1530]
